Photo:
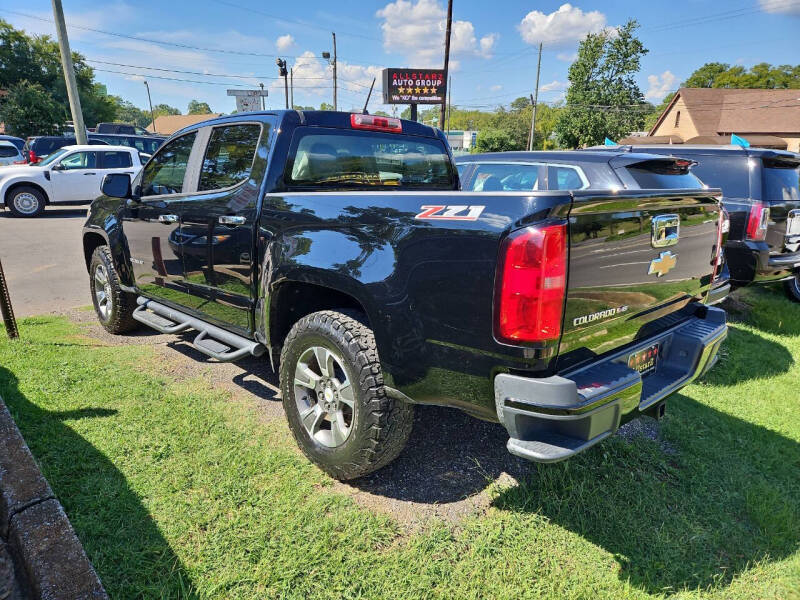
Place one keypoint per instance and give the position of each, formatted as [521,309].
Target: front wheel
[334,399]
[792,287]
[113,305]
[25,201]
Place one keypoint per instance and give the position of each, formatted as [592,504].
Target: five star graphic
[424,90]
[418,90]
[433,90]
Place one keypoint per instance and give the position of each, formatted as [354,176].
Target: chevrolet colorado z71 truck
[340,247]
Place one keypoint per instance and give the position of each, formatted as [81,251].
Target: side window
[229,156]
[79,160]
[565,178]
[499,177]
[164,173]
[7,151]
[116,160]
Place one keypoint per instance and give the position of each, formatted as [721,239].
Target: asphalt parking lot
[43,260]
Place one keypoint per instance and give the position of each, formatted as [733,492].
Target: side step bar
[212,341]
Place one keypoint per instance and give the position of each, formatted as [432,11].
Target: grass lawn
[180,490]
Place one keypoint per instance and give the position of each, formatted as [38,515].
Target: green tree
[36,59]
[603,99]
[326,106]
[165,109]
[495,140]
[29,109]
[760,76]
[127,112]
[198,108]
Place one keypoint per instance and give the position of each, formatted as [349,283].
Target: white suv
[71,174]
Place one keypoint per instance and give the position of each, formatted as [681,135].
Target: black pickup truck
[340,247]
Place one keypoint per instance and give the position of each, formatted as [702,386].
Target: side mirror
[58,167]
[117,185]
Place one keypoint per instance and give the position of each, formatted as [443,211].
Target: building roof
[717,111]
[169,124]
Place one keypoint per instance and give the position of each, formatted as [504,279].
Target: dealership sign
[414,86]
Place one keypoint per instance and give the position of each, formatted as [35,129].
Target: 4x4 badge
[663,264]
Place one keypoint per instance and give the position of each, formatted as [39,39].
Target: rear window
[116,160]
[8,151]
[663,174]
[357,160]
[44,146]
[781,180]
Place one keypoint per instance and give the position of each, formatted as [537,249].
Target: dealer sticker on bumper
[646,360]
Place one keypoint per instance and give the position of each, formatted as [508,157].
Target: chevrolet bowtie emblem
[663,264]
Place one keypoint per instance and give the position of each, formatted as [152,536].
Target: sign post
[248,100]
[414,87]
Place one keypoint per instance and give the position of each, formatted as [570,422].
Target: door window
[8,151]
[79,160]
[116,160]
[165,172]
[566,178]
[229,156]
[499,177]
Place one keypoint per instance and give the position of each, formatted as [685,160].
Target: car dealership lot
[43,260]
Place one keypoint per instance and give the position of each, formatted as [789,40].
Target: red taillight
[757,222]
[376,123]
[532,285]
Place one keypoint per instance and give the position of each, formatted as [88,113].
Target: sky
[199,49]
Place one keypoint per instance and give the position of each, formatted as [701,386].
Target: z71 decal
[450,213]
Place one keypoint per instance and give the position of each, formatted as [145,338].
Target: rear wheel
[113,305]
[25,201]
[792,287]
[334,399]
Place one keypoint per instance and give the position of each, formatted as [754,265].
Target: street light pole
[69,73]
[283,73]
[536,98]
[152,112]
[335,89]
[291,85]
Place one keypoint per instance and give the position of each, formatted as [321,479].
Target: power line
[161,42]
[260,77]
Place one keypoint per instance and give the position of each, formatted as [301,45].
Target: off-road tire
[31,191]
[792,288]
[380,426]
[120,317]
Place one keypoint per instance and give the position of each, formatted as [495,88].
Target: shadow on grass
[730,497]
[766,307]
[123,543]
[734,366]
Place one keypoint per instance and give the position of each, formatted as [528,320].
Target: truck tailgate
[634,258]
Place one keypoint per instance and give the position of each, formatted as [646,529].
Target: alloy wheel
[102,292]
[324,396]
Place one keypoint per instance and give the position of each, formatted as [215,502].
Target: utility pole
[446,55]
[152,112]
[261,85]
[283,73]
[449,103]
[291,86]
[535,99]
[69,73]
[335,103]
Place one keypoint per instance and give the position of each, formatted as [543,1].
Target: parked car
[18,142]
[146,145]
[761,192]
[9,153]
[340,247]
[37,148]
[72,174]
[123,128]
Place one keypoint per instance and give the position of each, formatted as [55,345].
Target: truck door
[152,224]
[217,223]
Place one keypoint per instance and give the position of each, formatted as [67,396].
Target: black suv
[761,192]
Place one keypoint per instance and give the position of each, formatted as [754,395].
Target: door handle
[232,220]
[90,173]
[167,219]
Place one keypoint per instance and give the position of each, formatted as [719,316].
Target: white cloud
[563,27]
[567,56]
[787,7]
[284,42]
[659,86]
[417,30]
[554,85]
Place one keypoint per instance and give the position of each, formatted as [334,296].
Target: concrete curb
[37,529]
